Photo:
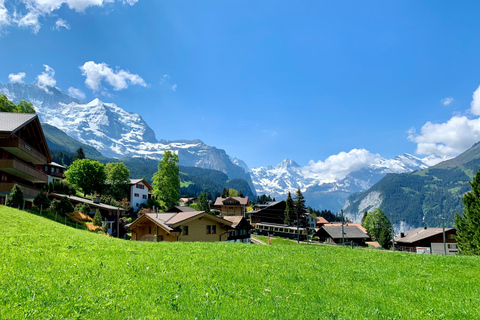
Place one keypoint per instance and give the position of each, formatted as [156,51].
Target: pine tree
[15,199]
[203,202]
[79,155]
[97,219]
[224,193]
[364,217]
[468,225]
[300,208]
[289,210]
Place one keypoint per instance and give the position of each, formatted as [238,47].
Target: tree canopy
[289,210]
[79,154]
[379,227]
[89,175]
[300,209]
[15,199]
[166,183]
[468,225]
[117,173]
[8,106]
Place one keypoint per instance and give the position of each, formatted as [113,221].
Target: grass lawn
[52,271]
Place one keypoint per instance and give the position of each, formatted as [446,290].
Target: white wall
[138,196]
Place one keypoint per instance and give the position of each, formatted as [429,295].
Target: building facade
[138,193]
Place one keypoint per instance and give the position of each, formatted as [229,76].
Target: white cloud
[446,139]
[16,78]
[339,165]
[174,87]
[76,93]
[95,73]
[447,101]
[45,79]
[60,23]
[4,16]
[27,13]
[451,137]
[475,105]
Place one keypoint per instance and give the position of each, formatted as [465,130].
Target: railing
[37,175]
[25,147]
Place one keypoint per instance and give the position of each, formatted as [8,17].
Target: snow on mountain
[320,189]
[115,132]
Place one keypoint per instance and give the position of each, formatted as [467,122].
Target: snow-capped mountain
[327,192]
[115,132]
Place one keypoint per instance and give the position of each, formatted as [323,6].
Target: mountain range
[115,132]
[323,192]
[420,198]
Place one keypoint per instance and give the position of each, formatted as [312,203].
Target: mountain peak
[287,163]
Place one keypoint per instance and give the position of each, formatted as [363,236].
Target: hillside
[50,271]
[420,198]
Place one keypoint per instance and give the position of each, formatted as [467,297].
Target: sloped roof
[418,234]
[54,164]
[243,200]
[322,220]
[135,181]
[336,224]
[351,232]
[87,201]
[180,209]
[10,122]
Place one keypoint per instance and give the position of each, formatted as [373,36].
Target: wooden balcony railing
[22,170]
[23,150]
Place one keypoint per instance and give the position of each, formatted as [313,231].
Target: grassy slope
[51,271]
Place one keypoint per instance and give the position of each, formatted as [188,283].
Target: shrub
[83,208]
[62,206]
[97,219]
[41,201]
[15,199]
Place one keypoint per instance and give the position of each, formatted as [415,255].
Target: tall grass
[50,271]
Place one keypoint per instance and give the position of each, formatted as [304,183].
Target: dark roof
[238,220]
[11,122]
[87,201]
[418,234]
[351,232]
[243,200]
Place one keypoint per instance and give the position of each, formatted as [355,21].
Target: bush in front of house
[62,206]
[15,199]
[97,219]
[41,201]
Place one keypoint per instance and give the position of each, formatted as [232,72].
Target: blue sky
[265,80]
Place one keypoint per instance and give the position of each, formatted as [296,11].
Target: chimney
[402,235]
[96,199]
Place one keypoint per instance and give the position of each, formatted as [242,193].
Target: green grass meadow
[52,271]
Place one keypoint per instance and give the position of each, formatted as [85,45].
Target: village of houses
[25,160]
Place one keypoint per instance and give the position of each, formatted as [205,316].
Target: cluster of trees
[295,210]
[468,225]
[378,226]
[263,199]
[8,106]
[327,214]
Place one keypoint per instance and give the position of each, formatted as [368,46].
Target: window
[185,230]
[144,196]
[137,204]
[140,186]
[214,229]
[209,230]
[136,195]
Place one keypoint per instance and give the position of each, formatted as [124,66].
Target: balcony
[21,170]
[28,192]
[23,150]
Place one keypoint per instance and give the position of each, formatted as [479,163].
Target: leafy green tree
[166,183]
[232,193]
[379,227]
[468,225]
[41,201]
[364,216]
[97,219]
[83,208]
[195,206]
[15,198]
[203,202]
[87,174]
[300,208]
[8,106]
[289,210]
[117,173]
[62,206]
[79,155]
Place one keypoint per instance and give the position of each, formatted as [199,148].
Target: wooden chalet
[333,234]
[180,226]
[274,212]
[427,240]
[23,153]
[232,206]
[241,229]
